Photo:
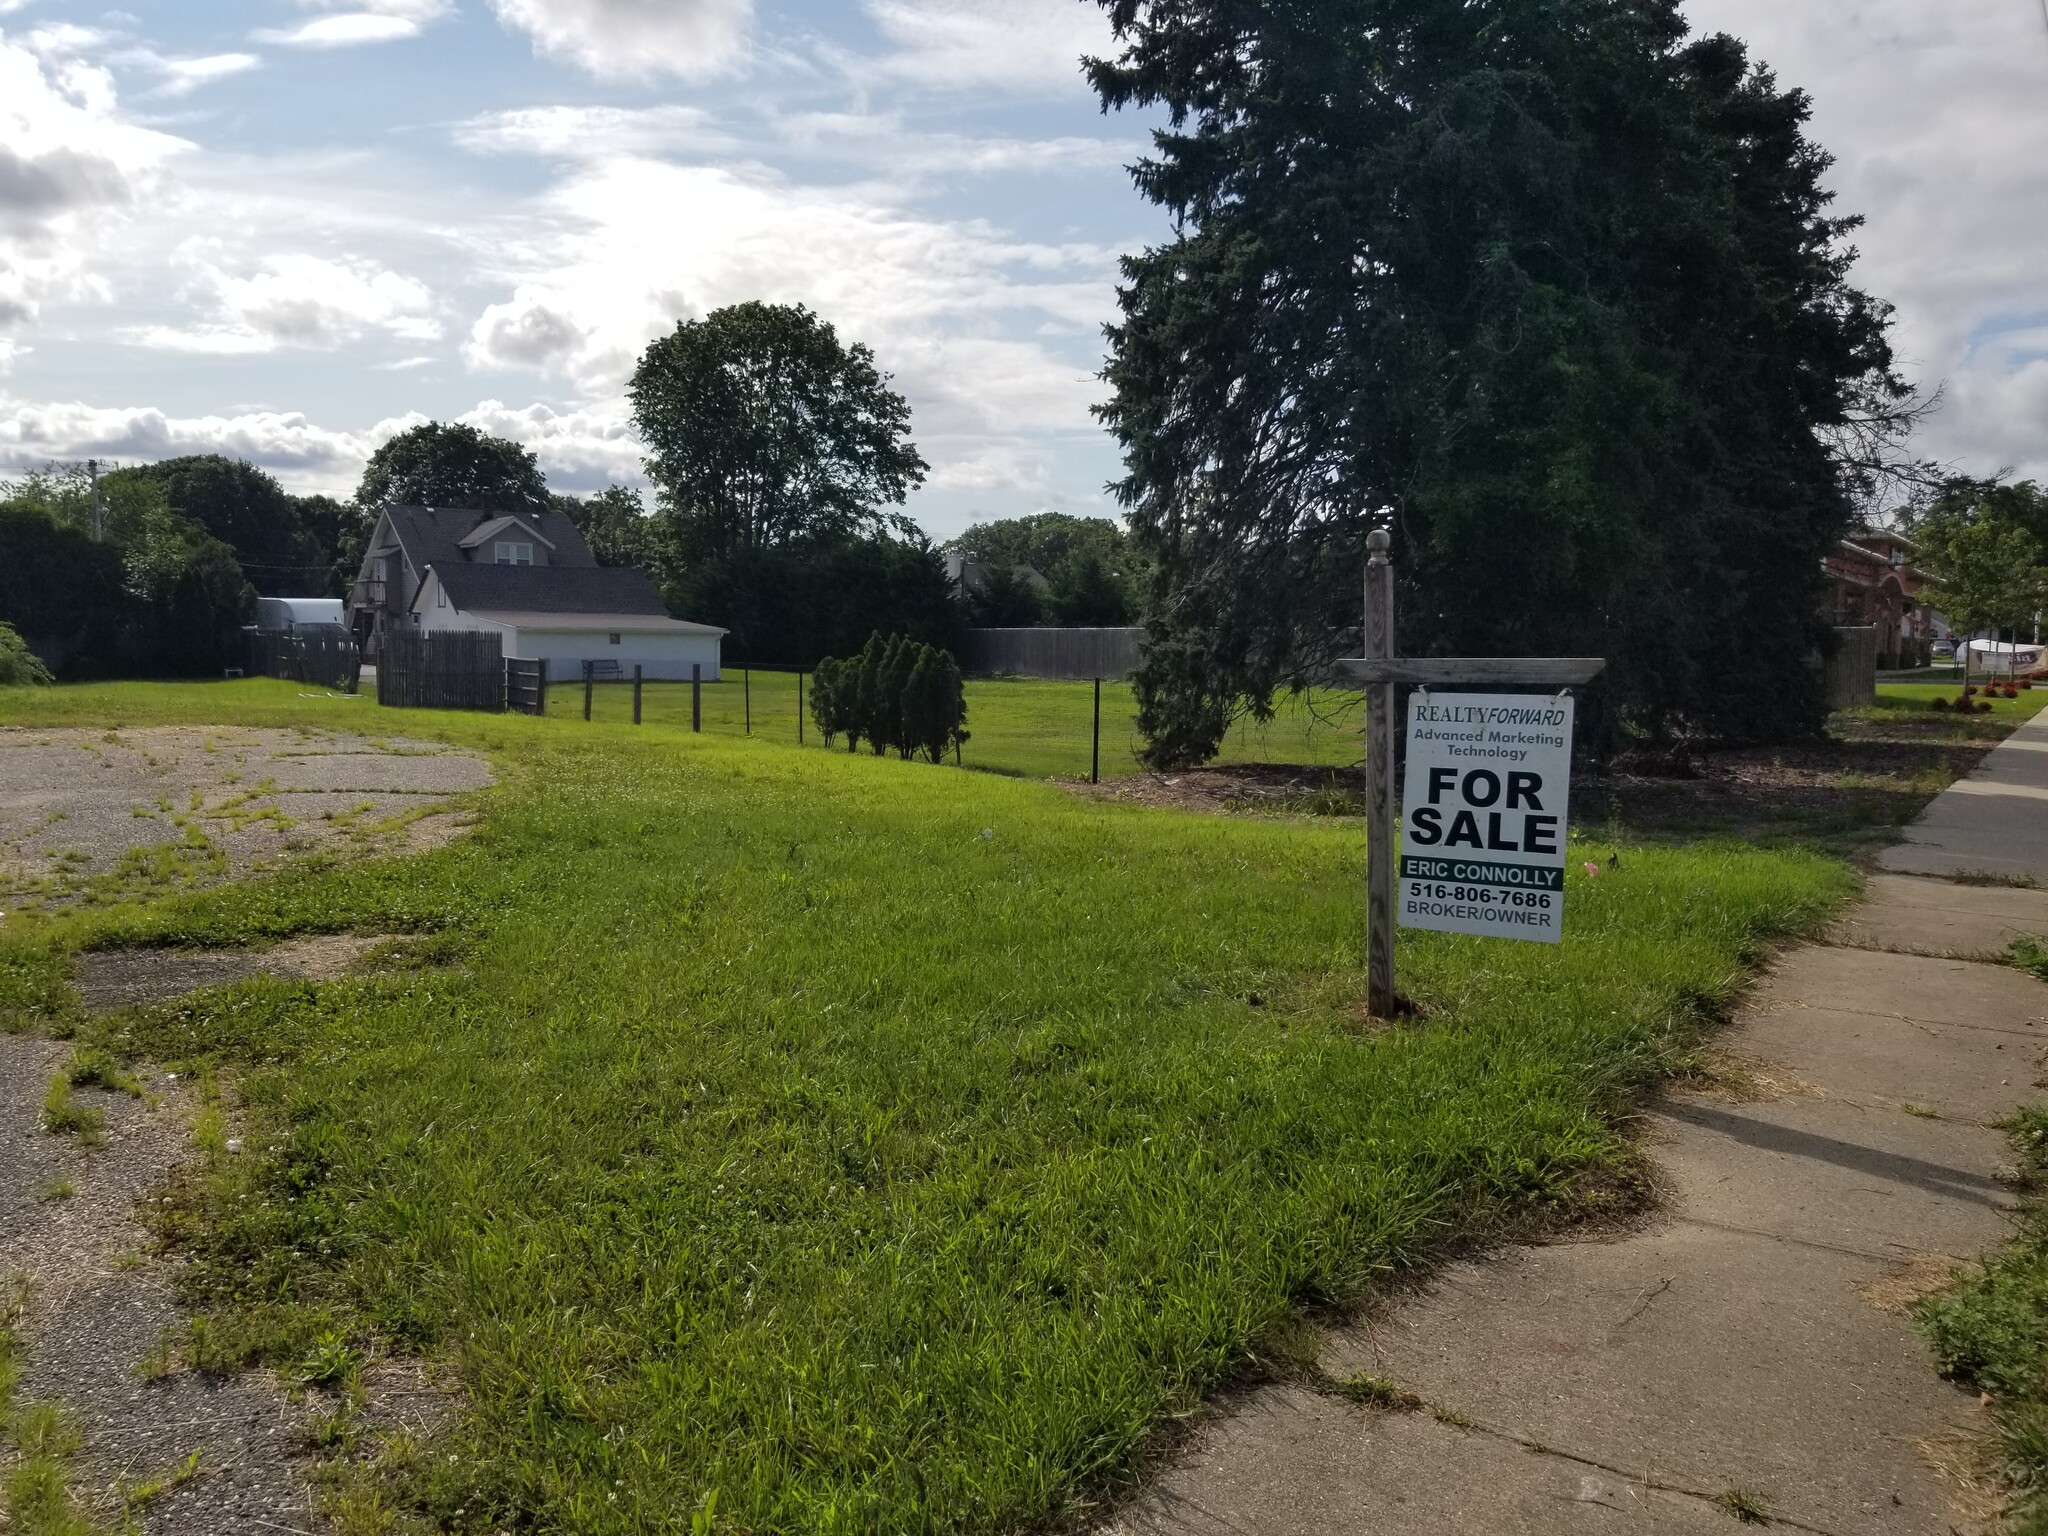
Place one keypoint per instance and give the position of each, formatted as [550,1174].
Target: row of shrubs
[896,693]
[1967,703]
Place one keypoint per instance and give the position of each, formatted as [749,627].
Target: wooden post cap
[1378,542]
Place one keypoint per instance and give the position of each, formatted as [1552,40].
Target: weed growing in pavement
[94,1066]
[65,1116]
[35,1492]
[1989,1330]
[1375,1392]
[2029,954]
[141,1493]
[1745,1506]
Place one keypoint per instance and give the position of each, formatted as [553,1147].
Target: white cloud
[183,76]
[299,301]
[1937,116]
[978,44]
[32,434]
[634,39]
[69,169]
[593,133]
[631,246]
[579,449]
[887,142]
[622,250]
[358,22]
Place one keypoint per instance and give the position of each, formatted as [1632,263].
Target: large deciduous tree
[779,456]
[244,508]
[1545,283]
[1985,543]
[1094,576]
[762,429]
[450,464]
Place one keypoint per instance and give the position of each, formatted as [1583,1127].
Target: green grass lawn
[1020,727]
[875,1146]
[1915,698]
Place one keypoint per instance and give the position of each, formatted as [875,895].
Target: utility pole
[92,467]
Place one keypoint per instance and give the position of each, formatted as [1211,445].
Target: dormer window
[514,554]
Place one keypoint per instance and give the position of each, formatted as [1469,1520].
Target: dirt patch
[1274,789]
[90,816]
[1850,789]
[99,1302]
[121,978]
[1898,1288]
[1730,1077]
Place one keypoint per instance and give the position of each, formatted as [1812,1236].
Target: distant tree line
[899,693]
[1087,572]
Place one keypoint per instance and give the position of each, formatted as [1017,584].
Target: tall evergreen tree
[1545,283]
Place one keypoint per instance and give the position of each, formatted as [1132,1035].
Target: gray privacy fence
[324,655]
[1851,673]
[441,669]
[1064,655]
[526,685]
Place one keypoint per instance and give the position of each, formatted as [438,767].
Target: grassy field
[1023,728]
[1896,700]
[824,1143]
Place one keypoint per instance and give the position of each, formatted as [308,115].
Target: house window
[612,639]
[514,554]
[440,596]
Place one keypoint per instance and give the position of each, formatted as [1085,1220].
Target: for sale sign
[1483,814]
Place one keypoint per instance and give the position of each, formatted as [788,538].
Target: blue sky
[287,228]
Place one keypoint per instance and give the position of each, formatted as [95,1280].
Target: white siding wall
[666,657]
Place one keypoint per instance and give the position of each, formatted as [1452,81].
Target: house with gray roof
[529,577]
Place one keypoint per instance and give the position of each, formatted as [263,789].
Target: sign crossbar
[1380,671]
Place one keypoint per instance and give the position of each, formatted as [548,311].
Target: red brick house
[1871,580]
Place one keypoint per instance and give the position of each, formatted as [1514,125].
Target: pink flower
[1593,870]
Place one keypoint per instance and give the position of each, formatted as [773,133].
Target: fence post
[799,706]
[696,695]
[589,674]
[1095,757]
[636,693]
[542,685]
[747,693]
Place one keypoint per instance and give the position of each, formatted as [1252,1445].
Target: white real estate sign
[1483,814]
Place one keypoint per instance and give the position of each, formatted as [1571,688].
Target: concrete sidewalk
[1995,822]
[1750,1345]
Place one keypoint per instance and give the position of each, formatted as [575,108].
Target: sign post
[1493,876]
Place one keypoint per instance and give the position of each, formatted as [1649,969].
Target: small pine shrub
[20,666]
[897,693]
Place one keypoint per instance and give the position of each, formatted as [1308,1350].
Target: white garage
[663,648]
[611,616]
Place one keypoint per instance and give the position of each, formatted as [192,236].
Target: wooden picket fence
[323,655]
[441,669]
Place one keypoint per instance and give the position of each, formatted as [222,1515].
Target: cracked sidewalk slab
[1752,1336]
